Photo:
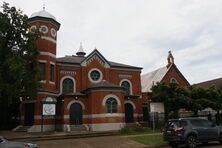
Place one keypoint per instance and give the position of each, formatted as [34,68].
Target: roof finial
[43,6]
[81,51]
[170,59]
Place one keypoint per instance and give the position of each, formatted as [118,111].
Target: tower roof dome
[43,13]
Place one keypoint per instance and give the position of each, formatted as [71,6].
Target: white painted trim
[42,61]
[48,39]
[126,69]
[130,102]
[101,75]
[47,93]
[106,115]
[109,96]
[53,63]
[69,77]
[51,82]
[48,54]
[42,81]
[106,126]
[76,101]
[131,86]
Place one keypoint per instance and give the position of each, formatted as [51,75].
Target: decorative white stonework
[100,75]
[111,96]
[53,32]
[95,57]
[44,29]
[69,77]
[106,126]
[48,39]
[76,101]
[130,102]
[125,76]
[131,86]
[68,72]
[48,54]
[33,28]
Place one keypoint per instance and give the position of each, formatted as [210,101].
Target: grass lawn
[149,139]
[137,131]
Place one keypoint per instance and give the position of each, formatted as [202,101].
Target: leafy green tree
[17,62]
[173,97]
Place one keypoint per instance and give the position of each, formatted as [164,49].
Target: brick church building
[86,89]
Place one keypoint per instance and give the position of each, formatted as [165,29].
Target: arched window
[173,80]
[111,105]
[127,86]
[67,86]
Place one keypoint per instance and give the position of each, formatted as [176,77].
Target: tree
[18,61]
[173,97]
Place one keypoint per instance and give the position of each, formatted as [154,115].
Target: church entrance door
[75,114]
[129,113]
[29,114]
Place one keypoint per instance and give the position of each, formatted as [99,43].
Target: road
[95,142]
[103,142]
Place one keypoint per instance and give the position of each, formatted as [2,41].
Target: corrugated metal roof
[151,78]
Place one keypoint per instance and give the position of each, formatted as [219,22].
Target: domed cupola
[44,14]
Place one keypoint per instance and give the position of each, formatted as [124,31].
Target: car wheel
[191,141]
[173,144]
[220,138]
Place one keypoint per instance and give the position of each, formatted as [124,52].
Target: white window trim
[111,96]
[131,86]
[101,75]
[52,82]
[74,83]
[76,101]
[130,102]
[42,61]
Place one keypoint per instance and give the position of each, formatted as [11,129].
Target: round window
[95,75]
[44,29]
[53,32]
[33,29]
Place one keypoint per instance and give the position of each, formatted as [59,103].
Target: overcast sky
[141,32]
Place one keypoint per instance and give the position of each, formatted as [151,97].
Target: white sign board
[48,109]
[157,107]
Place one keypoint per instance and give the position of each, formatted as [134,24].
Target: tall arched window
[111,105]
[67,86]
[127,86]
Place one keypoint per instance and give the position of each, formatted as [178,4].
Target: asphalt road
[95,142]
[103,142]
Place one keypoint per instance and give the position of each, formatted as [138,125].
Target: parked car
[4,143]
[191,131]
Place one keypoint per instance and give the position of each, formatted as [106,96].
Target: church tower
[48,26]
[46,76]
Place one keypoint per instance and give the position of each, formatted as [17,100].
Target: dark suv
[191,131]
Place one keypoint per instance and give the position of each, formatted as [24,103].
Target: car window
[176,124]
[201,123]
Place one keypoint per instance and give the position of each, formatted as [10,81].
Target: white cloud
[141,32]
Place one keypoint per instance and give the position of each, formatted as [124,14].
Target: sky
[141,32]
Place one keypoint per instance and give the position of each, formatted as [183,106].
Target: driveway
[94,142]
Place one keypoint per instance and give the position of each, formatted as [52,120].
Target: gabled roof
[80,60]
[151,78]
[207,84]
[104,85]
